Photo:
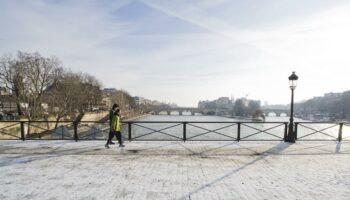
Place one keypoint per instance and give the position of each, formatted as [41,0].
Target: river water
[171,127]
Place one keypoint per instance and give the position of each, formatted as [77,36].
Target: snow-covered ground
[174,170]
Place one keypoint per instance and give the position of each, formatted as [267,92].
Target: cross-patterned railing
[322,131]
[174,131]
[206,131]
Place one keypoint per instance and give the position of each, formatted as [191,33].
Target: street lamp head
[293,79]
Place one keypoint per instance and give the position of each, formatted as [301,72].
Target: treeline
[41,86]
[122,97]
[334,105]
[244,107]
[240,107]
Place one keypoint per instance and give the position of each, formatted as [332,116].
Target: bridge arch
[276,112]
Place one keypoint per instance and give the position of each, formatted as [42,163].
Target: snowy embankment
[174,170]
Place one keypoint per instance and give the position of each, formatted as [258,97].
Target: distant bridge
[278,112]
[191,110]
[206,111]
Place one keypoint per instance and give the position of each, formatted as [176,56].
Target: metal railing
[322,131]
[174,130]
[206,131]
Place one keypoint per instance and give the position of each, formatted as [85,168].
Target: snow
[174,170]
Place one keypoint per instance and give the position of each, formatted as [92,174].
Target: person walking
[116,127]
[111,114]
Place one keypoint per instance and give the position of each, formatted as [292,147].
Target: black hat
[115,106]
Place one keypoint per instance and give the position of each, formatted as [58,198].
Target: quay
[174,170]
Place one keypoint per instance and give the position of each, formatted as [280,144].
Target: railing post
[75,124]
[285,130]
[340,135]
[296,130]
[129,130]
[22,131]
[184,132]
[62,132]
[239,131]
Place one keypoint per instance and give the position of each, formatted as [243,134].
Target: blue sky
[185,51]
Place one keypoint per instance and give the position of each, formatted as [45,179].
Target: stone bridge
[213,111]
[278,112]
[191,110]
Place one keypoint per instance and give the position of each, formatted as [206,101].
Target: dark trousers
[117,134]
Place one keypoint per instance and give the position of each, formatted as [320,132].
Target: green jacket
[116,123]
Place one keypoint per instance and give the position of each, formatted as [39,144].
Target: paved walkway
[174,170]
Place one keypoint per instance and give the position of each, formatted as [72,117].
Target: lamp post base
[289,140]
[291,135]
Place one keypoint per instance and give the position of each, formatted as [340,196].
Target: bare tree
[40,73]
[62,96]
[12,79]
[72,95]
[91,92]
[123,98]
[27,77]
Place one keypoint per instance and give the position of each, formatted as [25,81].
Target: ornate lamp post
[293,79]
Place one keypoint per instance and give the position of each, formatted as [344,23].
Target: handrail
[212,122]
